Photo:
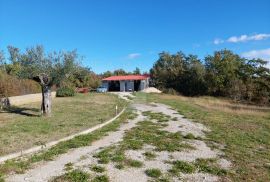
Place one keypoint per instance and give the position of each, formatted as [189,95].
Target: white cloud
[133,55]
[218,41]
[263,54]
[243,38]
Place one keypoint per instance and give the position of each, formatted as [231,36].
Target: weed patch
[73,176]
[154,173]
[149,155]
[102,178]
[98,169]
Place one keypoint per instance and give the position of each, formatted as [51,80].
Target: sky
[112,34]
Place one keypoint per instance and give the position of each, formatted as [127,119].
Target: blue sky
[113,34]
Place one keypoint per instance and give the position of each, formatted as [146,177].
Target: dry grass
[241,130]
[223,105]
[23,127]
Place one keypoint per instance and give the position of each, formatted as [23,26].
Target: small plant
[181,166]
[75,175]
[149,155]
[102,178]
[98,169]
[175,119]
[118,157]
[119,166]
[154,173]
[206,165]
[68,166]
[189,136]
[65,92]
[135,163]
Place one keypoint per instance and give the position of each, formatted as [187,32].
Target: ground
[22,127]
[161,138]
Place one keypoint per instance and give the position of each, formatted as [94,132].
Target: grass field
[242,131]
[23,127]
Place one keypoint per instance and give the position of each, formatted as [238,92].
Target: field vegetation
[240,131]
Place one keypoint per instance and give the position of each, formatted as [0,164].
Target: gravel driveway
[83,158]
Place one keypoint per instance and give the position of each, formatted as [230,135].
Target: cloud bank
[242,38]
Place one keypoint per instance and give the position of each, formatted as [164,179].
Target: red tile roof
[126,77]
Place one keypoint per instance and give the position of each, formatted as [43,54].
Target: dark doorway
[137,85]
[114,86]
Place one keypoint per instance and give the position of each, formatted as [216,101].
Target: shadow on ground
[25,111]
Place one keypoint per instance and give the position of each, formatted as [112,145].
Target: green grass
[135,163]
[23,127]
[189,136]
[72,176]
[97,168]
[68,166]
[19,166]
[154,173]
[149,155]
[147,132]
[159,117]
[208,166]
[243,132]
[200,165]
[102,178]
[181,166]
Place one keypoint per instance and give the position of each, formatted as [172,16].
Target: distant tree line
[119,72]
[223,74]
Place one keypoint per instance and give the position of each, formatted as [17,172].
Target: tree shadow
[25,111]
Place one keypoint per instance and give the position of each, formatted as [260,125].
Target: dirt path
[82,158]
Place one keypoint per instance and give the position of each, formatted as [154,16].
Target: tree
[223,71]
[137,71]
[2,61]
[48,70]
[119,72]
[223,74]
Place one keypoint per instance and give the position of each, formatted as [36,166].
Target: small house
[126,83]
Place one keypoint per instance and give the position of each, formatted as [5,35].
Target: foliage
[61,68]
[12,86]
[223,74]
[65,92]
[73,176]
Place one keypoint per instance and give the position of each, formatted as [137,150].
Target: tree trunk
[46,106]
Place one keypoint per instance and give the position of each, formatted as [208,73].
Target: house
[126,83]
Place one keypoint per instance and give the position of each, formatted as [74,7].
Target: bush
[13,86]
[65,92]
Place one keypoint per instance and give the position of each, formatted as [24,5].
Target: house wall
[122,86]
[126,85]
[144,84]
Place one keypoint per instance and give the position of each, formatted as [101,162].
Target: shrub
[65,92]
[13,86]
[154,173]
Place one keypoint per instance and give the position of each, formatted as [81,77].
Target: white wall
[126,85]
